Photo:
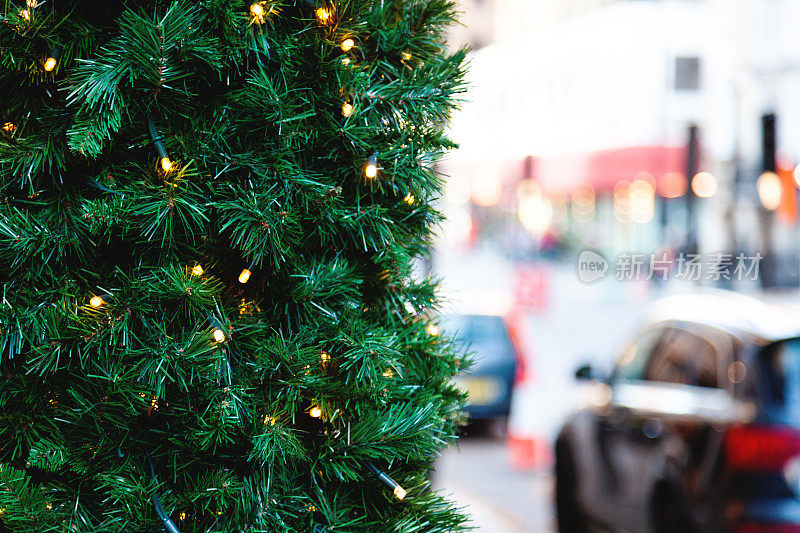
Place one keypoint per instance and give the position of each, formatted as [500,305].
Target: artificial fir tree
[209,214]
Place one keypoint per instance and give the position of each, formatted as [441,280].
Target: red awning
[561,175]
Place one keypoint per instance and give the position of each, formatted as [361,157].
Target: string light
[348,44]
[324,357]
[371,170]
[257,12]
[388,373]
[433,330]
[32,3]
[158,144]
[323,15]
[25,14]
[52,60]
[197,270]
[315,412]
[398,491]
[219,335]
[9,127]
[269,420]
[347,109]
[406,56]
[182,516]
[409,199]
[96,302]
[244,276]
[345,61]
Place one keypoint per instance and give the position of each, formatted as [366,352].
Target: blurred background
[655,133]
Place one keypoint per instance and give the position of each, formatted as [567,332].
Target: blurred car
[490,381]
[696,430]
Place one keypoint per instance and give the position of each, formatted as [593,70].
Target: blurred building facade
[577,120]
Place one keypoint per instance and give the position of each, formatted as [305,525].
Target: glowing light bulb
[166,164]
[324,357]
[433,330]
[347,109]
[770,190]
[371,170]
[704,184]
[197,270]
[400,492]
[96,302]
[388,373]
[182,516]
[25,14]
[219,335]
[50,64]
[32,3]
[406,56]
[315,412]
[409,199]
[323,15]
[257,10]
[345,61]
[348,44]
[9,127]
[244,276]
[49,505]
[269,420]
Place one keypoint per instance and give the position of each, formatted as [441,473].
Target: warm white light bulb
[433,330]
[400,492]
[409,199]
[219,335]
[315,412]
[96,302]
[347,109]
[323,15]
[348,44]
[166,164]
[50,64]
[197,270]
[257,13]
[244,276]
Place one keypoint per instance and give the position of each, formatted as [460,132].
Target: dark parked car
[490,381]
[696,430]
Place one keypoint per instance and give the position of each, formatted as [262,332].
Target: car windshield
[778,388]
[485,335]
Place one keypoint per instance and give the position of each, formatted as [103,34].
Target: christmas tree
[211,212]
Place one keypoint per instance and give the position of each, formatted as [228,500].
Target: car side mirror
[585,372]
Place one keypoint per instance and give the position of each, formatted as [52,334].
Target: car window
[686,357]
[486,335]
[778,379]
[634,356]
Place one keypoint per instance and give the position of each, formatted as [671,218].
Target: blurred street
[522,502]
[505,488]
[645,149]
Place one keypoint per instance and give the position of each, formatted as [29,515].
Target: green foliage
[267,175]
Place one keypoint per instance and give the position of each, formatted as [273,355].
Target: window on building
[687,73]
